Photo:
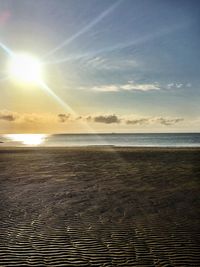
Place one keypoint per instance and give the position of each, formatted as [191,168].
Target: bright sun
[25,68]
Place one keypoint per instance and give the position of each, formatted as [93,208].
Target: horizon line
[99,133]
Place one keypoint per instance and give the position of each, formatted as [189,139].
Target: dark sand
[99,207]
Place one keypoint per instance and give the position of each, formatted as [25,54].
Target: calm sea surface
[147,140]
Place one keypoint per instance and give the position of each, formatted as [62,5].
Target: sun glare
[25,68]
[27,139]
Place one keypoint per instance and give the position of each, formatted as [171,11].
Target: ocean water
[136,140]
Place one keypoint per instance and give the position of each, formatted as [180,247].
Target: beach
[99,206]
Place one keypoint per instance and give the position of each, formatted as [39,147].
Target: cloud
[106,88]
[106,63]
[63,117]
[108,119]
[15,117]
[8,116]
[130,86]
[177,85]
[168,121]
[43,119]
[137,121]
[97,62]
[129,120]
[136,86]
[157,120]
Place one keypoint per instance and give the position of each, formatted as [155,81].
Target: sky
[109,66]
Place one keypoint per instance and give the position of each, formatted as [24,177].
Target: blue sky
[136,58]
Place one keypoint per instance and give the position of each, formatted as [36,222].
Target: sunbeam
[40,82]
[21,71]
[85,29]
[119,46]
[66,107]
[57,98]
[6,49]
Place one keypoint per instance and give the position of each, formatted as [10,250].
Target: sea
[114,139]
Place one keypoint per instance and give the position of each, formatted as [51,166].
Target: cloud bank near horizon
[63,118]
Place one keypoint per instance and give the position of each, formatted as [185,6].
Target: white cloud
[130,86]
[106,88]
[97,62]
[178,85]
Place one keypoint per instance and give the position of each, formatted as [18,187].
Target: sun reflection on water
[27,139]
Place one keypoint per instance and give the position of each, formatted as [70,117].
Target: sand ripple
[98,209]
[86,241]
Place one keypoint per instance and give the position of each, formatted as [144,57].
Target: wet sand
[99,206]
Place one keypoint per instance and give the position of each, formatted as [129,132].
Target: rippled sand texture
[99,207]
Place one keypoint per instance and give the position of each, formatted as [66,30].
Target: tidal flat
[99,206]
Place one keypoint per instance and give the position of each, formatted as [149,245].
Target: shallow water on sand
[143,140]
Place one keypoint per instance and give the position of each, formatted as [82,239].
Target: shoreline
[102,146]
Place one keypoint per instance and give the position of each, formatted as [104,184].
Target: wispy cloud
[168,121]
[133,86]
[130,86]
[136,86]
[107,63]
[118,46]
[154,120]
[137,121]
[88,27]
[106,88]
[178,85]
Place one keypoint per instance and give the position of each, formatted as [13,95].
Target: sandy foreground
[99,206]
